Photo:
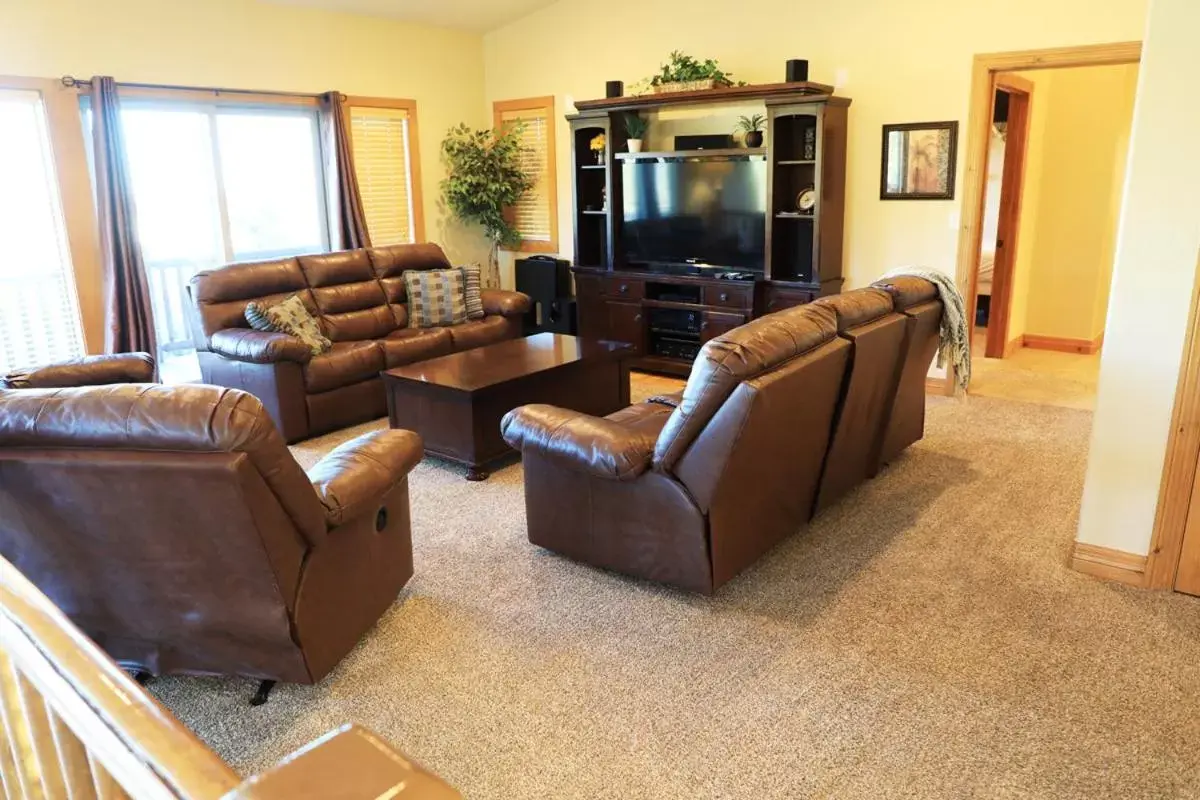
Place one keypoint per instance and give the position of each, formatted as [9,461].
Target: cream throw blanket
[956,332]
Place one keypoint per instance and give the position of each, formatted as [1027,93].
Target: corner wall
[1153,283]
[897,64]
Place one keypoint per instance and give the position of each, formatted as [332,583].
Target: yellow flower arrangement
[598,143]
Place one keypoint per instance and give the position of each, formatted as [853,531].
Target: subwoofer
[547,281]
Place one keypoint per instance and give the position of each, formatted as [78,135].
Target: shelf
[803,91]
[724,152]
[593,166]
[594,213]
[782,215]
[797,163]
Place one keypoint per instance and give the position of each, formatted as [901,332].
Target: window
[214,184]
[384,143]
[39,314]
[536,214]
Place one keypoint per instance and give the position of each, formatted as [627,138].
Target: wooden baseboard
[936,385]
[1085,347]
[1109,564]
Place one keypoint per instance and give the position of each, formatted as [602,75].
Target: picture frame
[919,161]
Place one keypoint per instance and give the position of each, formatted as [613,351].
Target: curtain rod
[72,82]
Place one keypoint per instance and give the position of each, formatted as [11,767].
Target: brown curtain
[127,313]
[348,222]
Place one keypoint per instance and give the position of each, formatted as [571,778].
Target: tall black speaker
[797,70]
[548,281]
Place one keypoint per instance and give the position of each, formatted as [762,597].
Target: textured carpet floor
[923,638]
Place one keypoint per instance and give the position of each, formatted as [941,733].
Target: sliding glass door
[39,313]
[214,185]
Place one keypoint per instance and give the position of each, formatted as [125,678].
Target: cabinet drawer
[728,296]
[717,323]
[623,288]
[778,299]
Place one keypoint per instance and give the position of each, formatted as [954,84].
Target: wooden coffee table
[456,402]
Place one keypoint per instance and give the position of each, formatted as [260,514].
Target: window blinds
[533,213]
[380,141]
[39,315]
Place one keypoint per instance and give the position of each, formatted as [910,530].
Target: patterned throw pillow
[293,318]
[436,297]
[256,315]
[472,287]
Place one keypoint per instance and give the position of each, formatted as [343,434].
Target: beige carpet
[923,638]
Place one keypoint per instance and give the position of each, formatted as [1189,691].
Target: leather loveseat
[779,418]
[359,298]
[174,527]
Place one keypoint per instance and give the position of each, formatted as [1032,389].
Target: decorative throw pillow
[436,297]
[293,318]
[472,287]
[256,315]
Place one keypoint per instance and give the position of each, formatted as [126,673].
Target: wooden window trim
[501,107]
[414,151]
[65,126]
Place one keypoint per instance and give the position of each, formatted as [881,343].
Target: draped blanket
[955,331]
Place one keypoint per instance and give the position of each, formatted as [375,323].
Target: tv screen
[711,212]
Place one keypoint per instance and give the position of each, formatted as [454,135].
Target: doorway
[1055,170]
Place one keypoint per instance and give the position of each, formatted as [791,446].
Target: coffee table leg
[477,474]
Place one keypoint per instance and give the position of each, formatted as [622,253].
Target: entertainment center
[676,246]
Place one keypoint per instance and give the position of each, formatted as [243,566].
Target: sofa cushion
[644,418]
[479,332]
[350,299]
[744,353]
[390,264]
[472,286]
[220,295]
[291,317]
[409,345]
[858,307]
[435,298]
[347,363]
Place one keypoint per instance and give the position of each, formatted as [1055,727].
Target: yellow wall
[253,45]
[900,62]
[1081,139]
[1154,277]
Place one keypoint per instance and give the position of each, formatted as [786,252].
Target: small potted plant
[636,127]
[752,126]
[682,73]
[597,146]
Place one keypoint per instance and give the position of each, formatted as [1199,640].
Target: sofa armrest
[351,763]
[505,303]
[259,347]
[354,477]
[87,371]
[594,445]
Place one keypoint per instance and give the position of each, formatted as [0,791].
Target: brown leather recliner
[174,527]
[360,300]
[85,371]
[690,489]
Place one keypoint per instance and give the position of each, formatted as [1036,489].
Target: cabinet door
[717,323]
[592,311]
[625,324]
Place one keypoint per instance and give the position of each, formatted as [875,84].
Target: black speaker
[797,70]
[707,141]
[548,281]
[614,89]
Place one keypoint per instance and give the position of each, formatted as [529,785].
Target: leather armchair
[691,488]
[172,524]
[86,371]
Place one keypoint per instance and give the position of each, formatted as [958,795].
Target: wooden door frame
[1020,92]
[979,123]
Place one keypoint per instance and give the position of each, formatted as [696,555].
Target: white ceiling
[472,15]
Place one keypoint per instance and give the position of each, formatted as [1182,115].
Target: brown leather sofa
[778,416]
[360,300]
[174,527]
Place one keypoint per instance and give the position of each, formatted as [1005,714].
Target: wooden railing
[76,726]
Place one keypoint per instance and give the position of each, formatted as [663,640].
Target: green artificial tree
[484,178]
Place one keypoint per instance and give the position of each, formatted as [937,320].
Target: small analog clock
[806,201]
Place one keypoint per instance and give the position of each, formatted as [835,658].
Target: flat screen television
[710,212]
